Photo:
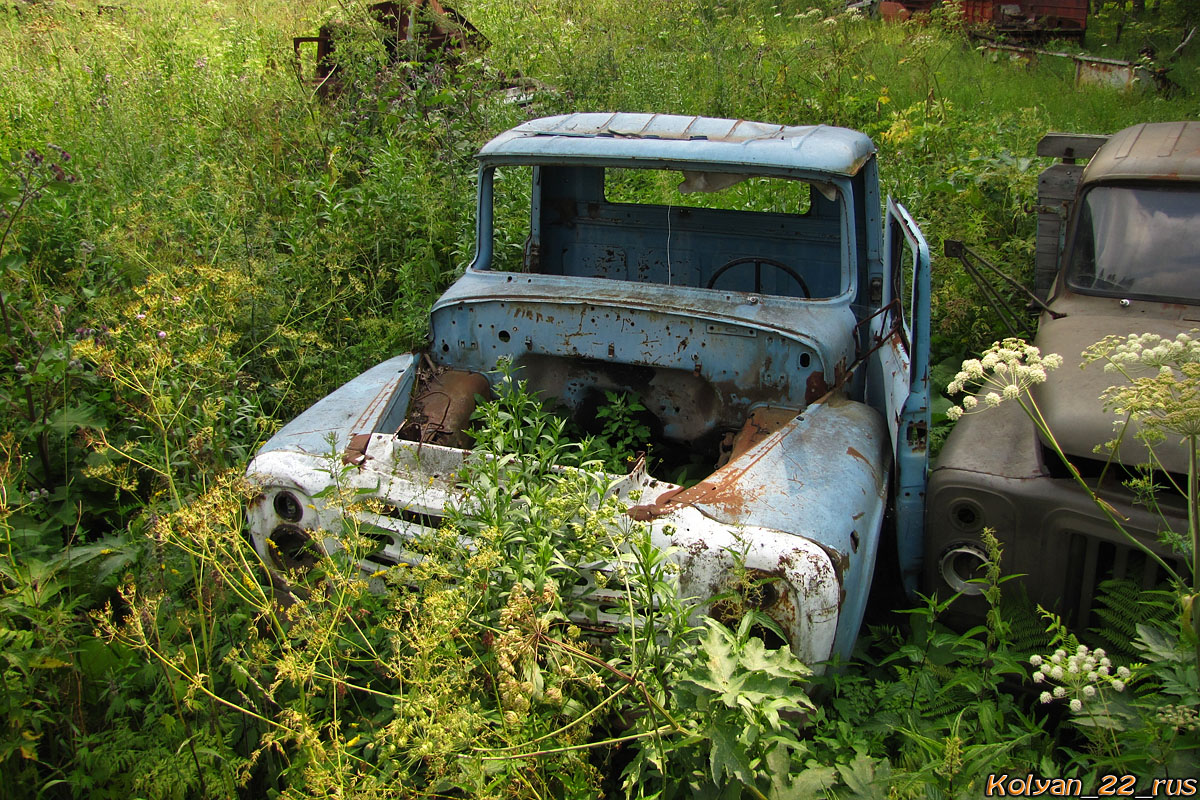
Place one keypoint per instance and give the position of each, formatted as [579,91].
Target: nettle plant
[1158,403]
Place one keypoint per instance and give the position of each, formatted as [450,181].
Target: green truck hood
[1071,399]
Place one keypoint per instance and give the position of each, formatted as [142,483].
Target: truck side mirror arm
[974,264]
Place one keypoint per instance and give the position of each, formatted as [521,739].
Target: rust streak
[370,415]
[815,388]
[356,451]
[852,452]
[650,511]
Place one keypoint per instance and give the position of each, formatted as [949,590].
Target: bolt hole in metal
[962,563]
[966,515]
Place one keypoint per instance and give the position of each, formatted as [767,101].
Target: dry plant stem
[1193,494]
[585,746]
[630,679]
[187,728]
[191,679]
[585,715]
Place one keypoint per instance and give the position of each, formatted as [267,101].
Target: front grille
[1093,561]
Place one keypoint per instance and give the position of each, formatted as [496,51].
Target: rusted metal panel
[763,422]
[356,451]
[1028,18]
[1167,151]
[439,31]
[1089,71]
[440,412]
[1111,74]
[490,315]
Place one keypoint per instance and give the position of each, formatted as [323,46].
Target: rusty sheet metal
[1029,19]
[763,421]
[440,31]
[784,484]
[442,408]
[491,315]
[1111,74]
[687,405]
[438,27]
[356,451]
[1152,152]
[808,595]
[833,449]
[1089,70]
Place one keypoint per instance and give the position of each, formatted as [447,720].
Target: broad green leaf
[1156,642]
[727,757]
[70,419]
[780,663]
[864,775]
[811,783]
[12,261]
[718,651]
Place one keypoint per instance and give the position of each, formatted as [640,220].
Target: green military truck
[1118,253]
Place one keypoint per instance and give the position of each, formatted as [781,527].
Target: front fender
[824,477]
[376,400]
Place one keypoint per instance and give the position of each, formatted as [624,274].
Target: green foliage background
[231,247]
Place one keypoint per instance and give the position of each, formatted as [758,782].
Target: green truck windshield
[1138,241]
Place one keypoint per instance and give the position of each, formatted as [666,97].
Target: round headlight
[962,563]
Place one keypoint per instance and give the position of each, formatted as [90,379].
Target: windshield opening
[1138,241]
[700,229]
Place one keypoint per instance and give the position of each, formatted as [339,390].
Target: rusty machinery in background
[436,32]
[1012,28]
[1015,19]
[1029,19]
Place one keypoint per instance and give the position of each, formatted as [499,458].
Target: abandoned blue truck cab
[744,281]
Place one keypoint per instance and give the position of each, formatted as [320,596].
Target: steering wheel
[759,263]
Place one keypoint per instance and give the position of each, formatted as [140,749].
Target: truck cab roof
[1157,150]
[649,139]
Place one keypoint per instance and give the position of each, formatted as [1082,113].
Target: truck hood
[1071,399]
